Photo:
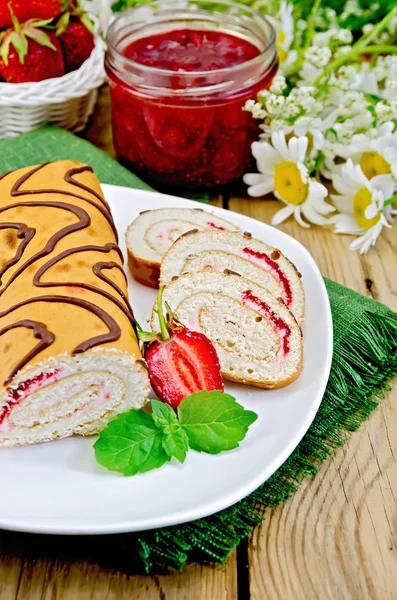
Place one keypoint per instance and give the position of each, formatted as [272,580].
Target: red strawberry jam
[272,267]
[191,50]
[279,325]
[26,387]
[177,97]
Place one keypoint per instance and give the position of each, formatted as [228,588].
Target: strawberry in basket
[30,9]
[75,31]
[27,53]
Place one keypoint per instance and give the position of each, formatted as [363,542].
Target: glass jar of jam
[180,73]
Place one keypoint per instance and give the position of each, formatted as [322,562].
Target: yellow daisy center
[289,184]
[361,201]
[282,54]
[373,164]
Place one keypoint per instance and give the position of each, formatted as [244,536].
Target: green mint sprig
[137,442]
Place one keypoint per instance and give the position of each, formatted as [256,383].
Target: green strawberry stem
[163,325]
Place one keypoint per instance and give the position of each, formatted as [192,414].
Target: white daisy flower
[284,26]
[375,156]
[282,171]
[315,126]
[360,202]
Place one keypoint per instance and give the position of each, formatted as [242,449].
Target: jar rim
[263,54]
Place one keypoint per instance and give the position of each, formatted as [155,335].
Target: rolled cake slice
[234,250]
[154,231]
[70,357]
[256,336]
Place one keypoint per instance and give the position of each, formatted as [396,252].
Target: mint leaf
[163,414]
[214,421]
[175,440]
[131,444]
[176,443]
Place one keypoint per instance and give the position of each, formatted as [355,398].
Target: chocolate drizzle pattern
[104,209]
[6,173]
[26,234]
[40,332]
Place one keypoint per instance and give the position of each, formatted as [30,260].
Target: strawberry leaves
[18,37]
[137,442]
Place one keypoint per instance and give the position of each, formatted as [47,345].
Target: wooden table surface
[336,538]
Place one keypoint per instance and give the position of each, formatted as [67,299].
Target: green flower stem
[379,50]
[310,29]
[391,200]
[163,326]
[362,47]
[355,53]
[365,40]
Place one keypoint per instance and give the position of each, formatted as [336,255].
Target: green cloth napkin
[50,143]
[364,360]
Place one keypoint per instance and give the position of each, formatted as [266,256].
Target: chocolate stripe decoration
[114,329]
[26,234]
[16,191]
[83,222]
[6,173]
[40,332]
[126,309]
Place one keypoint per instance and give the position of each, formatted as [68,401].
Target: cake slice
[154,231]
[240,253]
[256,336]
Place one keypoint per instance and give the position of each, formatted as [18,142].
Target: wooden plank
[60,577]
[12,550]
[336,537]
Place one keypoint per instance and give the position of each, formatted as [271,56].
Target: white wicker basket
[65,101]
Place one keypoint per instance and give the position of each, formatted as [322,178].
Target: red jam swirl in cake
[274,269]
[185,140]
[279,325]
[26,387]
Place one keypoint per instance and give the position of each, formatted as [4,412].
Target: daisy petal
[343,204]
[385,184]
[318,139]
[371,211]
[297,148]
[282,214]
[280,144]
[345,224]
[298,217]
[311,215]
[266,156]
[259,184]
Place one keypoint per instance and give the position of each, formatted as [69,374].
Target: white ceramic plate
[58,487]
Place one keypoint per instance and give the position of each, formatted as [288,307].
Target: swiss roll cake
[250,258]
[70,359]
[257,338]
[153,232]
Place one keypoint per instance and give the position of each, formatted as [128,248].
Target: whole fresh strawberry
[180,362]
[30,9]
[75,31]
[27,53]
